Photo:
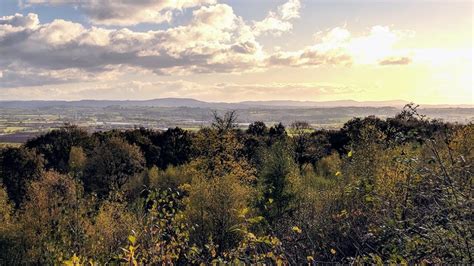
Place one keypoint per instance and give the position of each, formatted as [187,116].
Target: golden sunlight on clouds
[217,45]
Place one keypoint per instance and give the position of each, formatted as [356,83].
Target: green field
[13,129]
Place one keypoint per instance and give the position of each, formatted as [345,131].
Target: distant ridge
[341,103]
[188,102]
[164,102]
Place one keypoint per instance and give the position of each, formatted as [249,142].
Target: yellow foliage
[215,206]
[110,229]
[51,219]
[296,229]
[172,177]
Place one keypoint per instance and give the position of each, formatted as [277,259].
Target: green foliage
[56,145]
[108,231]
[213,207]
[329,166]
[277,181]
[51,220]
[257,128]
[172,177]
[130,256]
[19,166]
[111,165]
[9,232]
[77,159]
[175,147]
[220,153]
[254,249]
[165,235]
[300,131]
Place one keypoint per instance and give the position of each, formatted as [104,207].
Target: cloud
[18,20]
[377,45]
[310,56]
[126,12]
[290,10]
[338,46]
[20,75]
[396,61]
[215,40]
[136,90]
[276,23]
[276,91]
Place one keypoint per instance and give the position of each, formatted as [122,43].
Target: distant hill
[188,102]
[165,102]
[343,103]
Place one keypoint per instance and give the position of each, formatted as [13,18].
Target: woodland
[394,190]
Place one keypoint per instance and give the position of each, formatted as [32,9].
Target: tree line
[395,190]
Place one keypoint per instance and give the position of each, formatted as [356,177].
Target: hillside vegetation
[397,190]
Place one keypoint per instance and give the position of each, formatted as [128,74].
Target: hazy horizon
[232,51]
[398,103]
[230,101]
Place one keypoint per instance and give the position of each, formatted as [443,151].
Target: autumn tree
[109,230]
[19,166]
[220,184]
[149,142]
[56,146]
[111,165]
[10,232]
[52,219]
[77,160]
[219,152]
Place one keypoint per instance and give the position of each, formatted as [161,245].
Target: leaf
[213,253]
[343,213]
[338,173]
[132,239]
[243,212]
[369,198]
[251,236]
[275,241]
[255,220]
[296,229]
[349,154]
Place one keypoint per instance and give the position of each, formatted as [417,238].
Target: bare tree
[224,123]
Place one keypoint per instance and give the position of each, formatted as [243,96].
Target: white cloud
[279,22]
[18,20]
[215,40]
[338,46]
[290,10]
[126,12]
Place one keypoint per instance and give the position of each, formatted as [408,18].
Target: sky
[237,50]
